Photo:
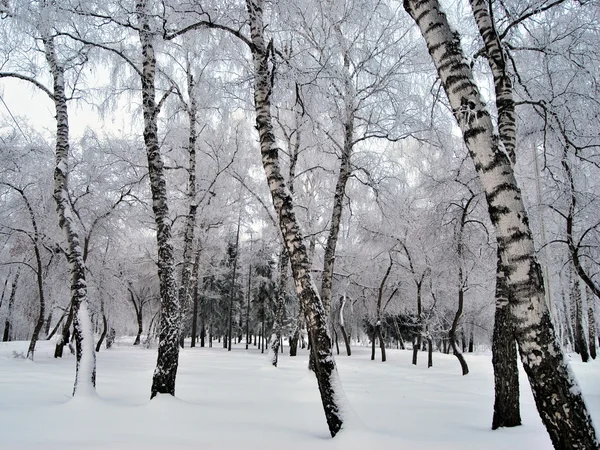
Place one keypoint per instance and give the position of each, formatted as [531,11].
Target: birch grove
[183,162]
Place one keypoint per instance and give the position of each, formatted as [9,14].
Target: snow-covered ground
[237,401]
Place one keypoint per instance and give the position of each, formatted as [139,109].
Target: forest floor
[237,401]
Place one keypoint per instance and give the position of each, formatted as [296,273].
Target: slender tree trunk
[343,326]
[39,272]
[55,329]
[373,337]
[85,372]
[248,303]
[580,339]
[185,286]
[418,337]
[453,328]
[104,331]
[504,359]
[11,301]
[557,396]
[325,368]
[194,282]
[591,323]
[381,342]
[279,313]
[232,289]
[430,351]
[138,316]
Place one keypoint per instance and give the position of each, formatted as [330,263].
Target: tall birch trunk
[505,106]
[163,380]
[185,287]
[557,395]
[85,371]
[316,318]
[340,187]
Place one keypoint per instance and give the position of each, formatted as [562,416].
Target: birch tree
[85,373]
[325,368]
[556,393]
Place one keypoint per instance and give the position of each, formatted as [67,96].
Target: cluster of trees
[429,221]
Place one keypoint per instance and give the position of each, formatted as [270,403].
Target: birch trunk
[85,371]
[340,187]
[557,395]
[504,359]
[163,381]
[185,286]
[325,368]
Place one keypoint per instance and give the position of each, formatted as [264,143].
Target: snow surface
[238,401]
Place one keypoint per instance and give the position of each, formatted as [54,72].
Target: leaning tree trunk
[504,359]
[557,396]
[453,328]
[163,380]
[325,368]
[85,372]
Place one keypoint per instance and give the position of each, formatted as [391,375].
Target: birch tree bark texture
[557,395]
[163,381]
[85,367]
[316,319]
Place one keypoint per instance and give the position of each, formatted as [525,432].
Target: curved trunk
[103,335]
[452,333]
[557,396]
[315,315]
